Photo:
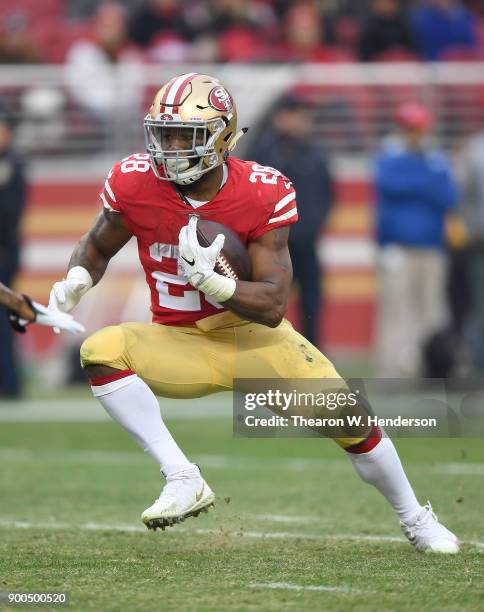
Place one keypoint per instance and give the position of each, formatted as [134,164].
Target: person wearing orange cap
[415,192]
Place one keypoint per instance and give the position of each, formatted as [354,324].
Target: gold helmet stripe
[174,90]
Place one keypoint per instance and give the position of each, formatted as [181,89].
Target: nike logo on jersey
[190,263]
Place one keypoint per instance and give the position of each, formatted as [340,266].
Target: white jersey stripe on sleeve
[109,190]
[286,215]
[105,202]
[285,200]
[170,98]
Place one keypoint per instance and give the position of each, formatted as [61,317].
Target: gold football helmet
[190,128]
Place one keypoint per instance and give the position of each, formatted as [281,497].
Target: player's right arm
[109,233]
[106,237]
[90,259]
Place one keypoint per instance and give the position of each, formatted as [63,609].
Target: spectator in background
[386,29]
[241,29]
[290,146]
[228,14]
[17,45]
[42,129]
[304,40]
[92,82]
[12,201]
[473,213]
[160,27]
[415,191]
[443,25]
[154,18]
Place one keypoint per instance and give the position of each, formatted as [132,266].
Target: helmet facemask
[184,150]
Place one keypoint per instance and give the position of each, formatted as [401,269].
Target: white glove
[57,319]
[198,263]
[66,293]
[44,316]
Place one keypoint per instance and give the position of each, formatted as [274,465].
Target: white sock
[382,468]
[132,404]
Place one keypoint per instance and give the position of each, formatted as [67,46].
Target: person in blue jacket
[13,189]
[289,145]
[443,25]
[415,192]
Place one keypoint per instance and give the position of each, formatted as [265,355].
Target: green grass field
[293,528]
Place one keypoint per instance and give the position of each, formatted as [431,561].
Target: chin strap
[190,179]
[235,139]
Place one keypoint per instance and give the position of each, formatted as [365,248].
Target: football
[234,260]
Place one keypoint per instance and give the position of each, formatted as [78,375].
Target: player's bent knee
[94,372]
[106,347]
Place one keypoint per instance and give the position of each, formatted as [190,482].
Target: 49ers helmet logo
[220,99]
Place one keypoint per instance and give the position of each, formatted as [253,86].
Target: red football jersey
[254,200]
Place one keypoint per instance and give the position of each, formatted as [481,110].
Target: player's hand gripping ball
[212,258]
[198,262]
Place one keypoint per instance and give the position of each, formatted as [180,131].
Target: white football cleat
[428,535]
[185,494]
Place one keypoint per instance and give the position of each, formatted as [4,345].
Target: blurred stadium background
[78,78]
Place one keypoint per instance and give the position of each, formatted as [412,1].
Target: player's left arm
[264,298]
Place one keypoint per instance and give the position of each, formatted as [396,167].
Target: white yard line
[12,524]
[257,535]
[288,586]
[90,411]
[88,457]
[282,518]
[459,469]
[55,410]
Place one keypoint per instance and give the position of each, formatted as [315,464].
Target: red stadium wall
[59,213]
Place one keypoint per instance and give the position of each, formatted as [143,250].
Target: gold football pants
[192,361]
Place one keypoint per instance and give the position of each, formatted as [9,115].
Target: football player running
[229,328]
